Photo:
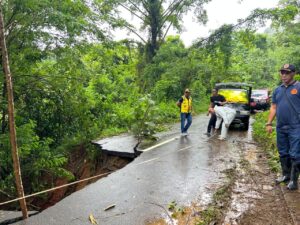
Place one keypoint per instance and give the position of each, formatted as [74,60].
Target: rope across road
[55,188]
[102,174]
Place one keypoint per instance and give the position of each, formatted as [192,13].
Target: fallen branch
[110,207]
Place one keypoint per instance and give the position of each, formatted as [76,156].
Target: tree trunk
[155,20]
[12,128]
[4,112]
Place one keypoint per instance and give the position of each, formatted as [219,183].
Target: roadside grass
[266,141]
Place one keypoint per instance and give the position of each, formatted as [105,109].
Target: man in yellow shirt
[185,105]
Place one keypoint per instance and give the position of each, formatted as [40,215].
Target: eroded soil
[256,199]
[82,167]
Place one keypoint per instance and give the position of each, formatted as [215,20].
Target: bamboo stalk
[12,127]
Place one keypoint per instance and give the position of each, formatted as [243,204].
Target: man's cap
[288,67]
[187,90]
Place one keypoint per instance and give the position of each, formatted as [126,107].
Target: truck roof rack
[233,84]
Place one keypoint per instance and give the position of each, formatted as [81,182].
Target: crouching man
[225,114]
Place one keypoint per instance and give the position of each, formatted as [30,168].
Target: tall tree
[158,16]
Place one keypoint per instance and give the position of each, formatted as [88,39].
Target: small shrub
[145,117]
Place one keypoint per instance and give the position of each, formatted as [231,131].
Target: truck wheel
[246,123]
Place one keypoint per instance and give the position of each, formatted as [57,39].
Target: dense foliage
[72,83]
[266,140]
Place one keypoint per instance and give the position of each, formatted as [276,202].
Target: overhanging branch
[171,23]
[137,8]
[133,31]
[165,18]
[129,10]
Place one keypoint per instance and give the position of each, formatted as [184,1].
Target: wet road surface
[184,169]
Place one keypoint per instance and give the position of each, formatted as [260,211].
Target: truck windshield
[235,95]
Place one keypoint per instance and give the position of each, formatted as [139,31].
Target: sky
[219,12]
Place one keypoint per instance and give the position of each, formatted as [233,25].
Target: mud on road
[249,196]
[255,198]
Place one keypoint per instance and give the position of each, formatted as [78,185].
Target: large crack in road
[185,170]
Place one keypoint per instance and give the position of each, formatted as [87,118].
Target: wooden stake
[12,128]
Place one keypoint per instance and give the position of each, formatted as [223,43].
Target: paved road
[186,169]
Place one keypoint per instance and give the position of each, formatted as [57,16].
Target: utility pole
[12,128]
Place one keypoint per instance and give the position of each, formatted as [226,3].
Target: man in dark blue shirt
[286,107]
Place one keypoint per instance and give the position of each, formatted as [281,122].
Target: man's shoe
[293,184]
[282,179]
[207,134]
[286,165]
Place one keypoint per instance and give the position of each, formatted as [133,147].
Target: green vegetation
[175,210]
[73,83]
[267,141]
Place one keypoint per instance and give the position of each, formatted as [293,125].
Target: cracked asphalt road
[185,170]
